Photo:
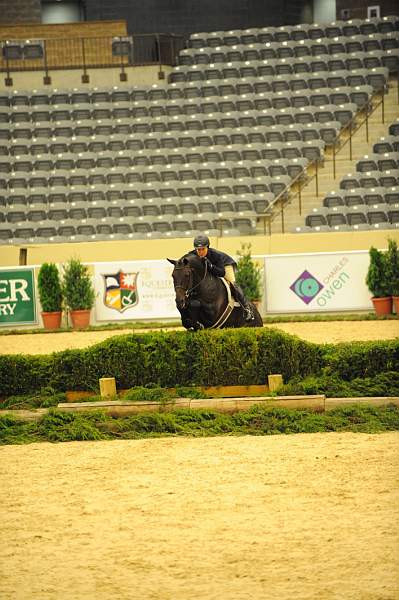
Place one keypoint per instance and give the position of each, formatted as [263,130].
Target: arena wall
[174,248]
[64,79]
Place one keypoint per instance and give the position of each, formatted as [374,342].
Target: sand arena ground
[308,516]
[300,517]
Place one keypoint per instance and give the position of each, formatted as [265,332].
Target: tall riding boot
[248,316]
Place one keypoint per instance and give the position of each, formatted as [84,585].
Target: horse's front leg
[195,309]
[185,315]
[207,313]
[190,315]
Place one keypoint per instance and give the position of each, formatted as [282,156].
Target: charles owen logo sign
[308,288]
[120,290]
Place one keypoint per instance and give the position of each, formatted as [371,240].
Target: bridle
[189,291]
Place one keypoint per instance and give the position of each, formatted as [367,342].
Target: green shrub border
[57,426]
[223,357]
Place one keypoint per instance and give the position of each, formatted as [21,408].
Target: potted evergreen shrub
[392,258]
[50,295]
[249,275]
[377,282]
[78,292]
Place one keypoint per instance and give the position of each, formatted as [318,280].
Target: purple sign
[306,287]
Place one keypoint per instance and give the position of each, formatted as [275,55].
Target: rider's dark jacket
[218,260]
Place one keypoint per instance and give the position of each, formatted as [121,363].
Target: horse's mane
[193,259]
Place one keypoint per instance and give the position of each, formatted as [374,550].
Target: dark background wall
[186,16]
[165,16]
[20,11]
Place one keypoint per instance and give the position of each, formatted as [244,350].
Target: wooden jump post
[107,387]
[274,382]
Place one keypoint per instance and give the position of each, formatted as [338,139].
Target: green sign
[17,297]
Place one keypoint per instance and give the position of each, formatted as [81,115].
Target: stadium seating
[243,116]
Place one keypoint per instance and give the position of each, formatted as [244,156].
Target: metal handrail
[282,199]
[94,52]
[354,125]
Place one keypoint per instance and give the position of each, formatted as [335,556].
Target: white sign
[373,12]
[330,281]
[130,290]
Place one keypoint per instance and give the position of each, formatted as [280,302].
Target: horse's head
[182,280]
[184,275]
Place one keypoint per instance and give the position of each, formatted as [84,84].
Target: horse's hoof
[197,327]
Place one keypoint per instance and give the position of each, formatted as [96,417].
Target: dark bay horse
[202,298]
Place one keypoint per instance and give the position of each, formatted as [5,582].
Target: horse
[204,300]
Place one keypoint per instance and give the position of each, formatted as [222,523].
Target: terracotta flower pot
[395,300]
[382,306]
[80,318]
[52,320]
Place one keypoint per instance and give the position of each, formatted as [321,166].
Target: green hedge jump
[224,357]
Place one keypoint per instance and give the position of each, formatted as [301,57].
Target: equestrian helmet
[201,241]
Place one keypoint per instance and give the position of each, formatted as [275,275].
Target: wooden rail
[119,408]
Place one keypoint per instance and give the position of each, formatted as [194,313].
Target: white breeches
[229,275]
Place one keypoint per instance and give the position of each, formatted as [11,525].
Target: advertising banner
[130,290]
[331,281]
[17,296]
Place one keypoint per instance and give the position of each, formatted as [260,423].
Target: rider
[221,265]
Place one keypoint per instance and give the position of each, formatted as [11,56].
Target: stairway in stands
[326,180]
